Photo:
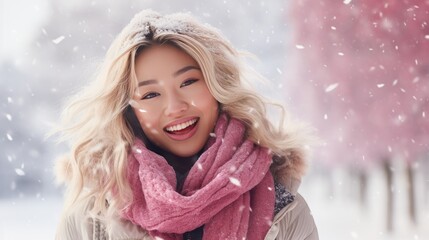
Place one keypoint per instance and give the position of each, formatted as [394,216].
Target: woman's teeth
[181,126]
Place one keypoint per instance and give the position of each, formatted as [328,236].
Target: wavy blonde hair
[94,121]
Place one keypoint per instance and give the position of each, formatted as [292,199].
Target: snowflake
[235,181]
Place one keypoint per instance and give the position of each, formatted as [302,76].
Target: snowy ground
[337,215]
[338,219]
[29,218]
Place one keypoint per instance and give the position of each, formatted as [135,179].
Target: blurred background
[358,71]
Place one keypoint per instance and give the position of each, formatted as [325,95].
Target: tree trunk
[411,193]
[426,180]
[390,198]
[363,188]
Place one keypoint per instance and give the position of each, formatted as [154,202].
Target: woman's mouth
[182,131]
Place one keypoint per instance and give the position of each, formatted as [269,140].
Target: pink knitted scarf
[229,190]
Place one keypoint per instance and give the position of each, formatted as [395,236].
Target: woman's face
[173,104]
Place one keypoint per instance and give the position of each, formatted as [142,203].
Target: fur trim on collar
[288,170]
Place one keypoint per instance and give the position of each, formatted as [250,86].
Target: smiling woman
[168,144]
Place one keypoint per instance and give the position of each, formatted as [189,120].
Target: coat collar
[289,169]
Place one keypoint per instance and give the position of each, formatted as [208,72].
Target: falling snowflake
[9,117]
[331,87]
[19,171]
[58,39]
[299,46]
[212,135]
[235,181]
[347,1]
[200,166]
[9,137]
[380,85]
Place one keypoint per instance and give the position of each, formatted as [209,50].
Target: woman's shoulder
[77,223]
[122,229]
[294,221]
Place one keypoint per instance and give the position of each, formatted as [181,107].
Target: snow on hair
[94,120]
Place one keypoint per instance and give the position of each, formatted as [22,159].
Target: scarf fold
[229,190]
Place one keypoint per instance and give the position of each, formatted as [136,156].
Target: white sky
[19,21]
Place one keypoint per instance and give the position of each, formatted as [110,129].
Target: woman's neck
[181,165]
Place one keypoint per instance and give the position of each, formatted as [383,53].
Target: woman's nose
[176,105]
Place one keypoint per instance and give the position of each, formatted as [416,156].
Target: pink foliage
[376,53]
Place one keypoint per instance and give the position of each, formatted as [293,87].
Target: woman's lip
[185,136]
[176,122]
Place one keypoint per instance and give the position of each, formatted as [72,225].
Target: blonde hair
[100,136]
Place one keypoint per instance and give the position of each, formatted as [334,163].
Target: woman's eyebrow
[147,82]
[185,69]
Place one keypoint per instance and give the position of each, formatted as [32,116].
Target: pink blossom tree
[367,64]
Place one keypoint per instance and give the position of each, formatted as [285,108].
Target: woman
[167,143]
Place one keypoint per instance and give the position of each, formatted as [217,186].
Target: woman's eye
[188,82]
[150,95]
